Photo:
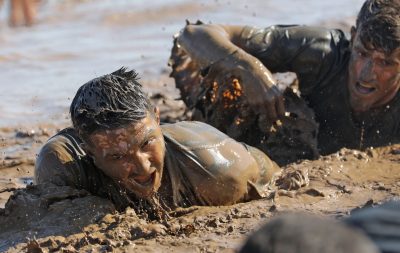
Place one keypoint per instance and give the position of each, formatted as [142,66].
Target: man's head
[374,70]
[120,130]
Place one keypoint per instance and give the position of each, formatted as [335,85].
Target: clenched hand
[260,89]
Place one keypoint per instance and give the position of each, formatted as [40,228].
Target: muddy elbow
[187,34]
[188,31]
[221,192]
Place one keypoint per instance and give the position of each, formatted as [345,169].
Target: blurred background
[68,42]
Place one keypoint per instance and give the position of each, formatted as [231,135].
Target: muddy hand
[262,92]
[272,105]
[259,87]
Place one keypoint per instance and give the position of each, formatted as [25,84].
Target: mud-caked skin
[351,82]
[202,166]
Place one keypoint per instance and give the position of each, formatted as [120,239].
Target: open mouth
[144,181]
[364,88]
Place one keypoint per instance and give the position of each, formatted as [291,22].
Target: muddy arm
[311,52]
[218,48]
[232,172]
[207,44]
[315,54]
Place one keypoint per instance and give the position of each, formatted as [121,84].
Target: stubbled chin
[358,106]
[142,191]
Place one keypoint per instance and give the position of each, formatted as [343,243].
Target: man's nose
[368,71]
[141,164]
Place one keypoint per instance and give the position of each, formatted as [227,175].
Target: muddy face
[374,77]
[133,156]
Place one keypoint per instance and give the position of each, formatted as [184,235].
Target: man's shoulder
[68,132]
[193,134]
[308,31]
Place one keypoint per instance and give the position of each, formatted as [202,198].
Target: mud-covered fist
[260,89]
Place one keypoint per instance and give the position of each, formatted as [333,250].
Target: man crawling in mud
[351,84]
[117,149]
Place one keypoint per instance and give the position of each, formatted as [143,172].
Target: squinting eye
[385,63]
[116,157]
[147,142]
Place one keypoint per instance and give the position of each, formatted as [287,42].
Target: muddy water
[41,67]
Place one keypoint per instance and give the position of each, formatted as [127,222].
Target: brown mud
[47,219]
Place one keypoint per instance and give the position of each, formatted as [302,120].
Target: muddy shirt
[203,166]
[320,58]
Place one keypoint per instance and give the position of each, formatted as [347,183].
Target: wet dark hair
[378,25]
[109,102]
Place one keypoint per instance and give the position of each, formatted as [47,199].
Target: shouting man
[351,84]
[117,149]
